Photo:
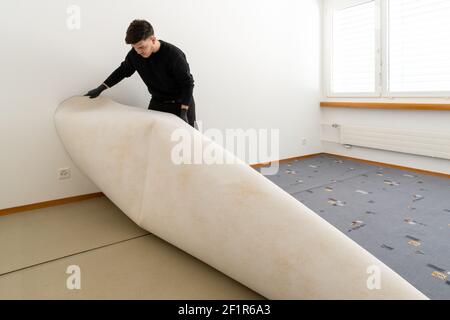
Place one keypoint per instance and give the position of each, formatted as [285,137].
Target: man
[163,68]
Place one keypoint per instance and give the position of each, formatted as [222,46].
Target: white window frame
[381,56]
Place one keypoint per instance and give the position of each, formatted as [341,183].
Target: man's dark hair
[138,30]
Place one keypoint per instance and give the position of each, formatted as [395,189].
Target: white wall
[256,65]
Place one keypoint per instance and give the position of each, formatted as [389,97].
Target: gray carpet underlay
[401,217]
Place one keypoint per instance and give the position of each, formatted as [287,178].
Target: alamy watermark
[213,146]
[73,21]
[74,280]
[374,280]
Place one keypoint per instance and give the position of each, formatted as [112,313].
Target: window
[353,59]
[388,48]
[419,45]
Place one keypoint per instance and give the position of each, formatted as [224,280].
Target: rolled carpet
[227,215]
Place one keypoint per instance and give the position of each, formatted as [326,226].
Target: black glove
[183,115]
[94,93]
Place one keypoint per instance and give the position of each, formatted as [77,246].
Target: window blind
[419,45]
[353,49]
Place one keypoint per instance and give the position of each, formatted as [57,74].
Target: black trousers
[175,108]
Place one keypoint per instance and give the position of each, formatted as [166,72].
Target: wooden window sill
[386,105]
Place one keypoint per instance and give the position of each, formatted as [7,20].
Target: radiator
[431,144]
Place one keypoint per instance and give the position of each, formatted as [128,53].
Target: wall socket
[63,173]
[304,141]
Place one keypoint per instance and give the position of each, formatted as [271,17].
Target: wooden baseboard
[259,165]
[50,203]
[432,173]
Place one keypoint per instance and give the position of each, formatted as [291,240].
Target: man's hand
[183,114]
[94,93]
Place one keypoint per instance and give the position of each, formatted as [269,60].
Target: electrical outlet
[304,141]
[64,173]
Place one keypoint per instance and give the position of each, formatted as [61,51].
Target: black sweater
[166,73]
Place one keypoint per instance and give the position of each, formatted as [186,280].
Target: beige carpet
[117,259]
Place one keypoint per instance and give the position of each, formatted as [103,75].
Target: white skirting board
[227,215]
